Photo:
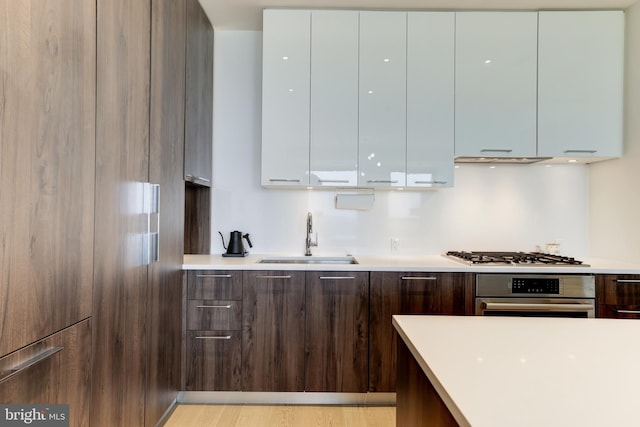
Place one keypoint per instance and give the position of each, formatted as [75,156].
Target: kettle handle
[222,237]
[246,236]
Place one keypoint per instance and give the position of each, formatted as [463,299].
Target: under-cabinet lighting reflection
[487,61]
[386,60]
[370,92]
[285,58]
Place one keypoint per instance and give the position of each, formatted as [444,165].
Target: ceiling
[247,14]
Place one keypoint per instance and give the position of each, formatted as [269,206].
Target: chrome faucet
[310,243]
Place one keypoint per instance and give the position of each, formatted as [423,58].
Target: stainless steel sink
[308,260]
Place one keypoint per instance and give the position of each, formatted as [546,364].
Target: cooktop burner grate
[517,258]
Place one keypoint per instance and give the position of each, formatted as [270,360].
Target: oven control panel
[535,285]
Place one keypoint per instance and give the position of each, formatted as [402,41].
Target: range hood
[501,160]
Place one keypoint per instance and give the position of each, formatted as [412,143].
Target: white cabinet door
[382,94]
[580,100]
[334,98]
[495,102]
[430,99]
[285,97]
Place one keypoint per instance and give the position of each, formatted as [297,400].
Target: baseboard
[163,419]
[296,398]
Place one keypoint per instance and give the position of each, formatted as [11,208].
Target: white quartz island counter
[523,371]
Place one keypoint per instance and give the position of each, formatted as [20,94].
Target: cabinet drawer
[215,285]
[628,292]
[214,315]
[55,370]
[621,290]
[627,312]
[213,361]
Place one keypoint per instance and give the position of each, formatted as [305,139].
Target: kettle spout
[222,237]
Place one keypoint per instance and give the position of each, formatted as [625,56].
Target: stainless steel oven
[535,295]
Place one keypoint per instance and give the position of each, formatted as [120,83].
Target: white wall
[614,195]
[506,208]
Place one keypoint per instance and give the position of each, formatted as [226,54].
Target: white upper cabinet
[285,97]
[334,98]
[383,101]
[430,99]
[580,75]
[495,78]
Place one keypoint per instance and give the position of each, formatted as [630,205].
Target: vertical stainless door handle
[151,239]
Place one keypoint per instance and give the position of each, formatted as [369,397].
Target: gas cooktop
[529,259]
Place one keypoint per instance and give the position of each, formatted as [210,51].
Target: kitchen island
[517,371]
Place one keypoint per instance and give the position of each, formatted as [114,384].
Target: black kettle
[235,248]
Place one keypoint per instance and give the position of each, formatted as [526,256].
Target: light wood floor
[281,416]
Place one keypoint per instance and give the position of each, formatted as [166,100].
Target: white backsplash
[505,208]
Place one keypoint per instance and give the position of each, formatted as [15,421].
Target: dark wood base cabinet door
[62,375]
[337,331]
[408,293]
[273,331]
[618,296]
[214,361]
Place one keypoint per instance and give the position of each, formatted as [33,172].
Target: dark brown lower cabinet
[214,360]
[64,377]
[618,296]
[273,331]
[408,293]
[336,333]
[213,331]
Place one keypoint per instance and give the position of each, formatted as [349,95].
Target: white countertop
[430,263]
[523,371]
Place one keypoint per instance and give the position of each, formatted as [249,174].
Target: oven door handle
[536,307]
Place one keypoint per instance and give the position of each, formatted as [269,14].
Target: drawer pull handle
[283,180]
[382,181]
[628,311]
[219,337]
[214,306]
[333,181]
[273,277]
[337,277]
[214,276]
[627,281]
[431,182]
[495,150]
[29,363]
[580,151]
[193,178]
[419,278]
